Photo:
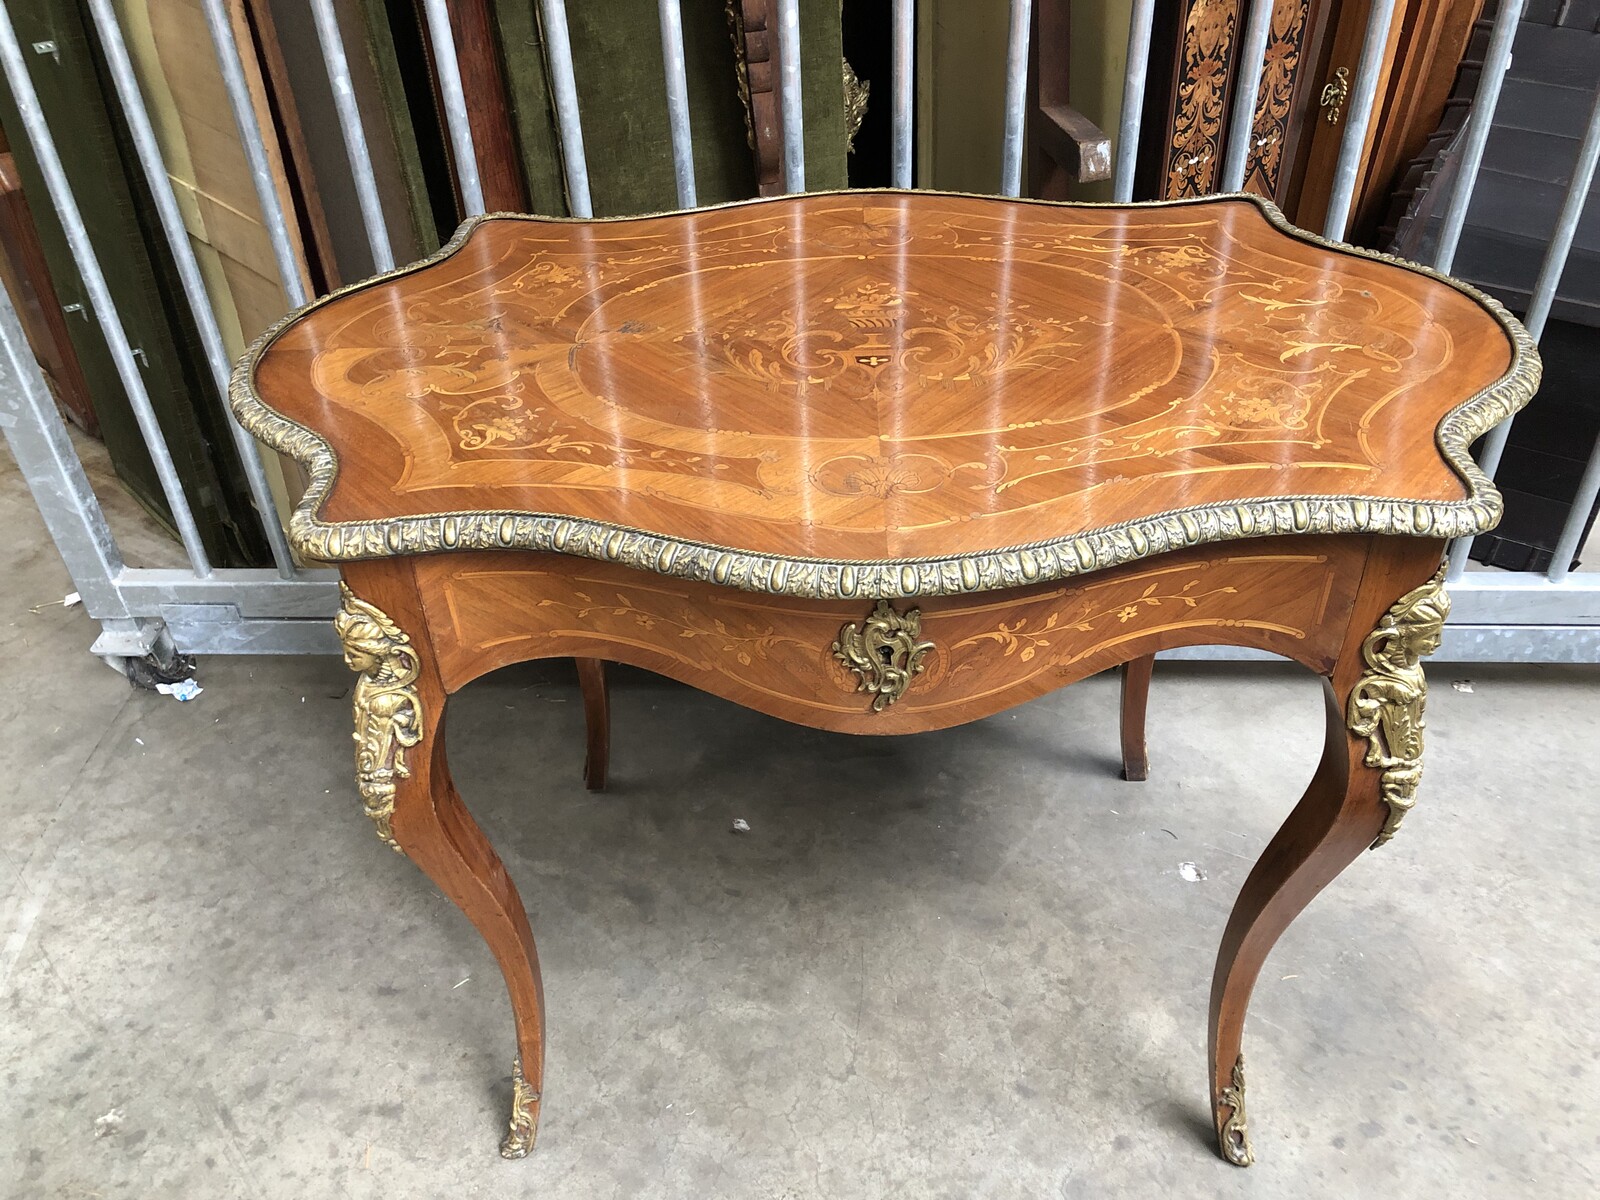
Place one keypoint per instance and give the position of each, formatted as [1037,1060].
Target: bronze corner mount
[388,708]
[1387,702]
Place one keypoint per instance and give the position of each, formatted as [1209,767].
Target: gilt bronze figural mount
[388,711]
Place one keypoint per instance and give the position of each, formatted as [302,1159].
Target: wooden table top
[886,393]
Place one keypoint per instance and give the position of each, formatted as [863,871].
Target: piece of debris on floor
[70,600]
[1191,872]
[110,1123]
[1462,685]
[740,825]
[184,689]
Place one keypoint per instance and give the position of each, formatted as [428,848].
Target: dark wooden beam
[1073,141]
[488,106]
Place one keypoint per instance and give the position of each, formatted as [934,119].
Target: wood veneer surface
[883,375]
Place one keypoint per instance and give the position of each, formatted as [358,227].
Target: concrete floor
[955,965]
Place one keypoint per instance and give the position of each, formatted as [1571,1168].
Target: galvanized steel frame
[1499,616]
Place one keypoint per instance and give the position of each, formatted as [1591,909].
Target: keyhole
[887,655]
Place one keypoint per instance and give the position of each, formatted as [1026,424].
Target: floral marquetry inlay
[1027,636]
[881,665]
[874,340]
[886,394]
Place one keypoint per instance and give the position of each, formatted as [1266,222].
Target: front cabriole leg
[1363,787]
[407,791]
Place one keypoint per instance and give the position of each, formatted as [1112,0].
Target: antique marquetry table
[884,462]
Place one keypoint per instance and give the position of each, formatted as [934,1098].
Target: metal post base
[142,650]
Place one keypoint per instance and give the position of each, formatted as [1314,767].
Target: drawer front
[980,654]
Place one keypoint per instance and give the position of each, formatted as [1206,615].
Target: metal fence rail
[1252,59]
[1499,616]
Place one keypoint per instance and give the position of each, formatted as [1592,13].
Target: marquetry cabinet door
[1301,94]
[1193,73]
[1302,103]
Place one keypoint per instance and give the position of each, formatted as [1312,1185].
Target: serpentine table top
[779,424]
[994,392]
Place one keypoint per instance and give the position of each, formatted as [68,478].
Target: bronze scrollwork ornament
[883,652]
[388,710]
[1233,1134]
[1386,704]
[519,1136]
[855,105]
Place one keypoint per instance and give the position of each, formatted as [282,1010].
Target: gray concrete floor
[955,965]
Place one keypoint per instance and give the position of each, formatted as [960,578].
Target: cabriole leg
[1365,783]
[1135,703]
[597,721]
[442,838]
[407,792]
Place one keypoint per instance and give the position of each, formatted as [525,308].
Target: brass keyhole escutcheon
[1335,94]
[884,652]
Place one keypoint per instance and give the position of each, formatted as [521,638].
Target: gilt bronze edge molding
[817,579]
[1077,554]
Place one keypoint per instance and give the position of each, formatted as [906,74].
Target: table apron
[989,651]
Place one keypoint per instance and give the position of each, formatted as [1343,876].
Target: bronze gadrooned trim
[1053,559]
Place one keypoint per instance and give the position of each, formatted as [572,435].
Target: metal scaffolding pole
[255,150]
[1496,60]
[794,134]
[1241,124]
[1140,22]
[904,72]
[1016,97]
[671,18]
[1357,121]
[355,137]
[448,70]
[564,88]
